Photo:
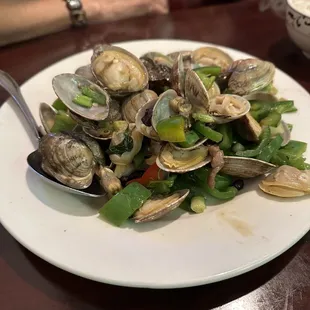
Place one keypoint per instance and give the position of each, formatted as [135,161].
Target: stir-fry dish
[166,131]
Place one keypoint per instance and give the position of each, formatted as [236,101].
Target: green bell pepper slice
[63,122]
[265,138]
[295,148]
[204,118]
[208,70]
[208,132]
[172,129]
[226,131]
[191,138]
[94,95]
[124,204]
[271,149]
[59,105]
[272,119]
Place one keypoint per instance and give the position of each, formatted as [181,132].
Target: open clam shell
[118,70]
[131,105]
[177,77]
[186,55]
[244,167]
[158,206]
[98,134]
[162,109]
[199,143]
[146,128]
[180,161]
[67,87]
[197,94]
[158,58]
[211,56]
[86,72]
[47,116]
[287,181]
[227,108]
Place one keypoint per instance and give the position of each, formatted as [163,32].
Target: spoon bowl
[34,159]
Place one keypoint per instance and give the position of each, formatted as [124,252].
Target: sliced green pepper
[59,105]
[295,148]
[238,147]
[83,101]
[63,122]
[207,80]
[172,129]
[284,106]
[226,131]
[208,132]
[265,138]
[123,205]
[95,96]
[191,139]
[229,193]
[204,118]
[272,119]
[271,149]
[209,70]
[161,187]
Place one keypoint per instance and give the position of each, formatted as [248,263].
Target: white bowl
[298,26]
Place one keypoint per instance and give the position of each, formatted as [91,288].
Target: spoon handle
[11,86]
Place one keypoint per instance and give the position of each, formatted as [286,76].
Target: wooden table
[28,283]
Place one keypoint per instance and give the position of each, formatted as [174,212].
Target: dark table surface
[27,282]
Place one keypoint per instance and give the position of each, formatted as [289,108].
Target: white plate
[63,229]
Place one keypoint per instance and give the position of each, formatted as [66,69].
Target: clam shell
[66,88]
[184,54]
[95,134]
[212,56]
[158,206]
[147,131]
[162,109]
[248,128]
[131,105]
[250,75]
[180,161]
[177,77]
[221,119]
[199,143]
[113,77]
[287,181]
[158,58]
[197,94]
[47,116]
[86,72]
[68,160]
[244,167]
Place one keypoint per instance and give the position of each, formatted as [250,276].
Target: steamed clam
[47,116]
[182,161]
[158,206]
[243,167]
[211,56]
[250,75]
[118,70]
[86,72]
[287,181]
[68,160]
[132,104]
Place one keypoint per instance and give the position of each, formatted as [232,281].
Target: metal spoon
[34,159]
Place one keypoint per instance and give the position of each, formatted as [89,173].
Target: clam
[158,206]
[250,75]
[47,116]
[182,161]
[244,167]
[211,56]
[227,108]
[158,59]
[118,70]
[143,120]
[86,72]
[177,77]
[287,181]
[197,94]
[248,128]
[68,160]
[131,105]
[162,109]
[67,87]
